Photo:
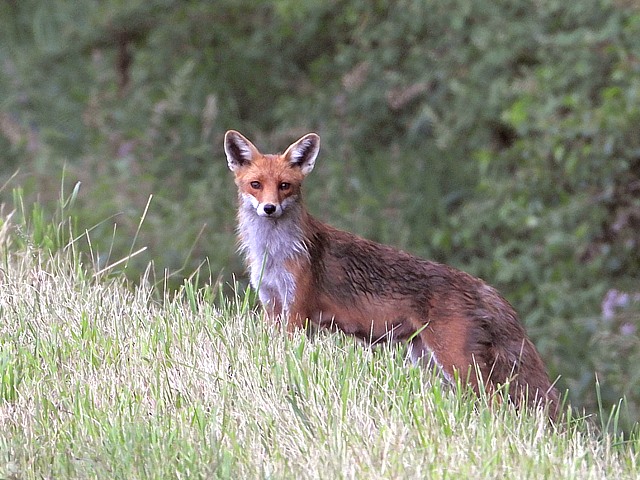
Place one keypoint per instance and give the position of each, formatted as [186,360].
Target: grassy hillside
[101,379]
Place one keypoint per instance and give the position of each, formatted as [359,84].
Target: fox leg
[444,342]
[271,303]
[297,316]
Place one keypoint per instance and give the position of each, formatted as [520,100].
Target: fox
[307,272]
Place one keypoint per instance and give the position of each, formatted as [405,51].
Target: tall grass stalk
[101,379]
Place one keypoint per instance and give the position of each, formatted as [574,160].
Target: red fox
[307,271]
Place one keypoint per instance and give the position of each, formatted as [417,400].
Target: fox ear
[239,150]
[303,153]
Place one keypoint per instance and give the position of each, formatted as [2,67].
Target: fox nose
[269,209]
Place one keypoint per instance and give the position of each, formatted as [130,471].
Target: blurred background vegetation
[499,136]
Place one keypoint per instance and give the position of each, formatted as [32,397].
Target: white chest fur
[268,243]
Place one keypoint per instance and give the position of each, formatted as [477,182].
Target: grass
[101,379]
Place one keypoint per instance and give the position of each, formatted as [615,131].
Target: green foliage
[497,136]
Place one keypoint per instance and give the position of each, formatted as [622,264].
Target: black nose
[269,209]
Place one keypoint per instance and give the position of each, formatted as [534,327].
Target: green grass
[100,379]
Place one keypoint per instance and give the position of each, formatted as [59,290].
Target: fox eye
[284,186]
[255,185]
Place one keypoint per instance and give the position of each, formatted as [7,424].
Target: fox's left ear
[303,153]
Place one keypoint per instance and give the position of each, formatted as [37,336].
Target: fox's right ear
[239,150]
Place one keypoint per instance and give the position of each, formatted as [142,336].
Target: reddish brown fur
[378,293]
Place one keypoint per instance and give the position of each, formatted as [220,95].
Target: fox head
[269,184]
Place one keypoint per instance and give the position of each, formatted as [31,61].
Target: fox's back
[351,272]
